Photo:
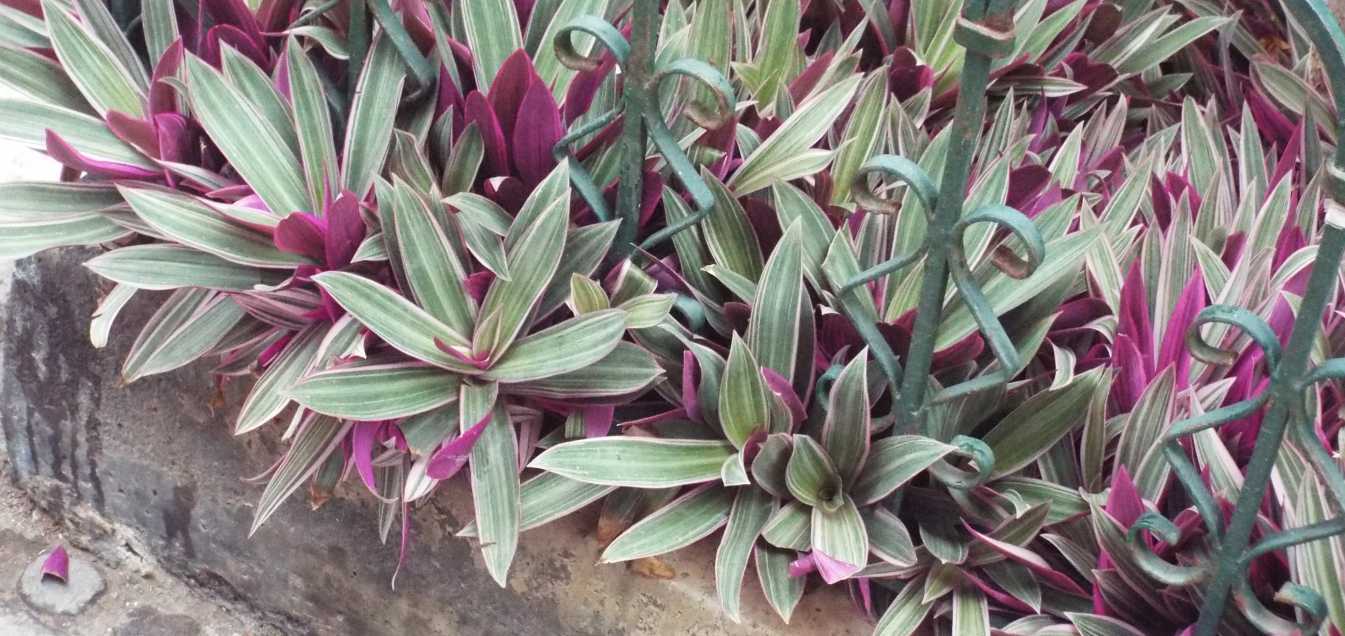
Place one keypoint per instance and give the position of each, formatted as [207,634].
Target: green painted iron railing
[985,29]
[1285,410]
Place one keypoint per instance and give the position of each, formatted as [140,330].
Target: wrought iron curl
[1286,411]
[985,29]
[639,106]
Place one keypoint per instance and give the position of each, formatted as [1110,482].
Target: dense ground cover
[404,221]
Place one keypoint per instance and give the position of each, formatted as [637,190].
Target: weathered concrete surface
[153,466]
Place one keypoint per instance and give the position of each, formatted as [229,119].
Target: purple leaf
[908,76]
[345,230]
[302,233]
[598,420]
[232,36]
[478,283]
[1173,349]
[451,457]
[783,389]
[66,154]
[690,376]
[236,15]
[536,130]
[1130,375]
[478,111]
[137,132]
[802,566]
[833,570]
[162,95]
[361,448]
[56,565]
[512,83]
[1134,315]
[997,595]
[1028,559]
[174,139]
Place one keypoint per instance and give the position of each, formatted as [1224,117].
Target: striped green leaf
[776,52]
[184,328]
[548,497]
[26,123]
[38,78]
[894,461]
[317,438]
[1161,48]
[1064,257]
[533,260]
[565,347]
[160,22]
[492,34]
[1098,625]
[785,155]
[744,403]
[168,266]
[485,246]
[839,533]
[105,82]
[810,475]
[252,145]
[782,590]
[376,389]
[24,237]
[432,265]
[971,612]
[112,304]
[648,310]
[845,433]
[257,88]
[773,331]
[494,473]
[313,123]
[729,235]
[395,319]
[751,510]
[793,205]
[638,462]
[681,523]
[268,396]
[190,221]
[1036,425]
[96,16]
[625,371]
[889,539]
[585,247]
[864,133]
[586,296]
[372,115]
[906,613]
[790,528]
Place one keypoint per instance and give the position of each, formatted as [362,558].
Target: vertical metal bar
[1287,387]
[967,122]
[637,93]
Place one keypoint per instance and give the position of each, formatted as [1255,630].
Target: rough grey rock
[159,456]
[147,621]
[83,584]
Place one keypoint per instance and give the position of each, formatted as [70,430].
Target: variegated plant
[395,215]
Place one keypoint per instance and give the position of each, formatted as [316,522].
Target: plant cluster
[365,206]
